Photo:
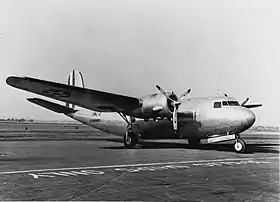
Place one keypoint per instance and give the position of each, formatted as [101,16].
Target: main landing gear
[239,145]
[130,138]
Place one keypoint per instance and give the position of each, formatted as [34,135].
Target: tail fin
[72,81]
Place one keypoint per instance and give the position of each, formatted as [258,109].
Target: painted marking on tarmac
[66,172]
[158,168]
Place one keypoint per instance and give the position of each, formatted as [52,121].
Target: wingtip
[10,80]
[33,100]
[30,99]
[13,80]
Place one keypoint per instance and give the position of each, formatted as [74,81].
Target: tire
[239,146]
[129,140]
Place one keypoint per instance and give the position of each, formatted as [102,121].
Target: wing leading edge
[86,98]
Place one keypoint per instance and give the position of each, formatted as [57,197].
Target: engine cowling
[157,105]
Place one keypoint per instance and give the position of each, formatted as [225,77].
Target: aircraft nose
[249,118]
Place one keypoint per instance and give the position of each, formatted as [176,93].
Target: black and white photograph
[137,100]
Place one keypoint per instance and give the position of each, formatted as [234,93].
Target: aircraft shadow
[251,147]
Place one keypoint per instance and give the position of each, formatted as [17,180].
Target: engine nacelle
[157,105]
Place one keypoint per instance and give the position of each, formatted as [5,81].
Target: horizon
[72,120]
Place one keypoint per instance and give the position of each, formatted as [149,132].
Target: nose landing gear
[239,145]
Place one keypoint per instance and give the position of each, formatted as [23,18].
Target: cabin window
[217,105]
[225,103]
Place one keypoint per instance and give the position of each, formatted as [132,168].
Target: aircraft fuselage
[197,117]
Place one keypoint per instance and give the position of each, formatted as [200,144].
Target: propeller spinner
[175,104]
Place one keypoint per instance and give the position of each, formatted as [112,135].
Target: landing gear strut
[239,145]
[130,138]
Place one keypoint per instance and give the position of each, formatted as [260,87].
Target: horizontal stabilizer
[252,106]
[51,106]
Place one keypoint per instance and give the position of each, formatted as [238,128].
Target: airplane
[161,115]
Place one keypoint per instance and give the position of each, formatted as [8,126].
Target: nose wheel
[239,145]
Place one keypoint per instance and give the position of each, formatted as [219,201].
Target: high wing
[86,98]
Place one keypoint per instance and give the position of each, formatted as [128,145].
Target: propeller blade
[184,95]
[163,92]
[252,106]
[243,103]
[175,124]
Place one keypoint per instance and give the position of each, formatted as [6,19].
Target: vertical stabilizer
[75,78]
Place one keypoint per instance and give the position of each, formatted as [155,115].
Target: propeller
[245,101]
[175,104]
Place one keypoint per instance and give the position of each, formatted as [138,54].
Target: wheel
[239,146]
[194,142]
[130,139]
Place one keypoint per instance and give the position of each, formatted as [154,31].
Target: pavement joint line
[132,165]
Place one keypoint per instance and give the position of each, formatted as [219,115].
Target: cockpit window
[225,103]
[217,105]
[233,103]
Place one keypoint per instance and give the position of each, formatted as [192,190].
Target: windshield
[233,103]
[225,103]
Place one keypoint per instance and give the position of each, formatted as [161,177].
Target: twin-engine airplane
[160,115]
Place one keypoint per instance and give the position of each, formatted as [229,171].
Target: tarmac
[58,162]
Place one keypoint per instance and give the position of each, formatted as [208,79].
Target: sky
[128,46]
